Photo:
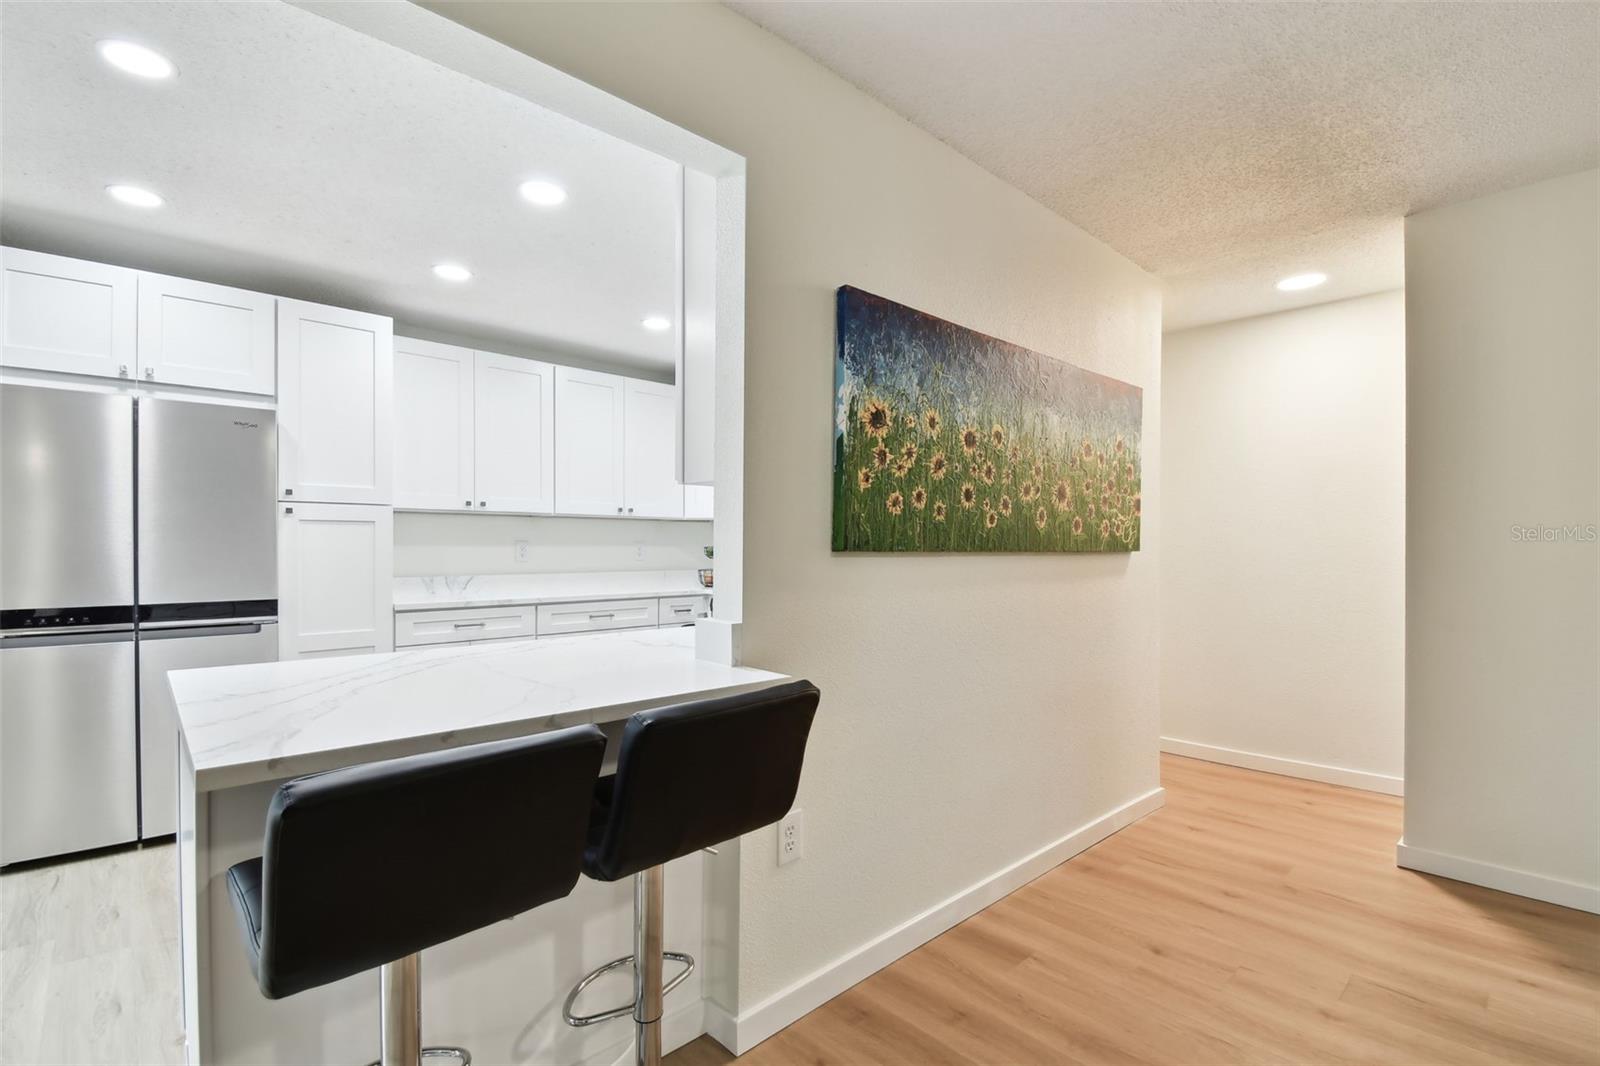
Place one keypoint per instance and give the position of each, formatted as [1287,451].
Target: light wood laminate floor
[1253,919]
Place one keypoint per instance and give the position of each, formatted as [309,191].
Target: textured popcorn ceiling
[1223,146]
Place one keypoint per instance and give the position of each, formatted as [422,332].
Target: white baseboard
[740,1034]
[1273,764]
[1500,878]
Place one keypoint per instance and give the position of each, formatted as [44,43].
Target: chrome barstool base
[400,1018]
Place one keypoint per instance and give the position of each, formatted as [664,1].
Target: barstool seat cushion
[368,864]
[698,774]
[244,890]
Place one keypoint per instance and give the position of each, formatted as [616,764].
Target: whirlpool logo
[247,425]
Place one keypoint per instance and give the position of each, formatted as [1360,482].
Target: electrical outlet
[638,550]
[520,549]
[791,837]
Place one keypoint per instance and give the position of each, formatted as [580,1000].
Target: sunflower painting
[913,392]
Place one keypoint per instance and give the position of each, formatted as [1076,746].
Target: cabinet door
[433,463]
[650,466]
[208,336]
[589,434]
[335,572]
[698,501]
[67,315]
[335,404]
[515,434]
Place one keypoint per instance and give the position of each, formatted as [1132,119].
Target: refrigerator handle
[230,629]
[19,641]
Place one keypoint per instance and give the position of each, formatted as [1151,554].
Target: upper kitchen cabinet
[650,476]
[67,315]
[433,431]
[335,404]
[206,336]
[698,501]
[589,442]
[515,434]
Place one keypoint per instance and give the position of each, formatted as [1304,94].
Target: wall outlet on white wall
[520,549]
[638,550]
[791,837]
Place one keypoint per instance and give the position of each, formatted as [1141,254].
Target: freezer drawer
[207,518]
[67,744]
[161,650]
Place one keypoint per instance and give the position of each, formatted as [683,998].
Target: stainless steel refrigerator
[137,536]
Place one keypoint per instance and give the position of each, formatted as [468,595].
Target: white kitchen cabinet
[650,467]
[335,575]
[335,404]
[433,426]
[515,434]
[207,336]
[458,625]
[698,501]
[589,442]
[67,315]
[558,619]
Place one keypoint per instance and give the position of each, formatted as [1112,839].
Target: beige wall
[429,544]
[975,709]
[1503,702]
[1283,533]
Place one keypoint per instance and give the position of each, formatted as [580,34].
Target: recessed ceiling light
[451,272]
[1301,281]
[656,324]
[136,59]
[134,196]
[542,193]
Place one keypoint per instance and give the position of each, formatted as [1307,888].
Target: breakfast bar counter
[245,729]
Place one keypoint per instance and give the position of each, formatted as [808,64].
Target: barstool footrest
[626,1010]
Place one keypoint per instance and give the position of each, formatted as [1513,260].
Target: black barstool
[338,888]
[687,777]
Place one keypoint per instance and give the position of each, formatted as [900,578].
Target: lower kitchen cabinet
[335,569]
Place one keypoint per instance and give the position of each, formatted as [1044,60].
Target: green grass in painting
[1006,482]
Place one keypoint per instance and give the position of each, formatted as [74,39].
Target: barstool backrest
[700,773]
[366,865]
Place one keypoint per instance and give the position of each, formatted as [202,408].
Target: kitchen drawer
[556,619]
[412,628]
[676,609]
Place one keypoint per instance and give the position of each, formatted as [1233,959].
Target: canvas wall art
[946,439]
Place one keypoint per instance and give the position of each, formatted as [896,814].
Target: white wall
[1283,531]
[1503,690]
[427,544]
[975,709]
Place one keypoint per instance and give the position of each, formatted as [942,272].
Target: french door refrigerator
[137,536]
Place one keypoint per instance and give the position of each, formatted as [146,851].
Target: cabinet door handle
[682,610]
[597,617]
[483,503]
[288,510]
[619,510]
[149,373]
[122,371]
[470,625]
[288,492]
[467,504]
[630,510]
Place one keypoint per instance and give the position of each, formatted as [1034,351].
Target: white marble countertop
[506,590]
[263,721]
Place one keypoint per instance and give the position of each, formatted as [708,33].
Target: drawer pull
[597,617]
[682,610]
[470,625]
